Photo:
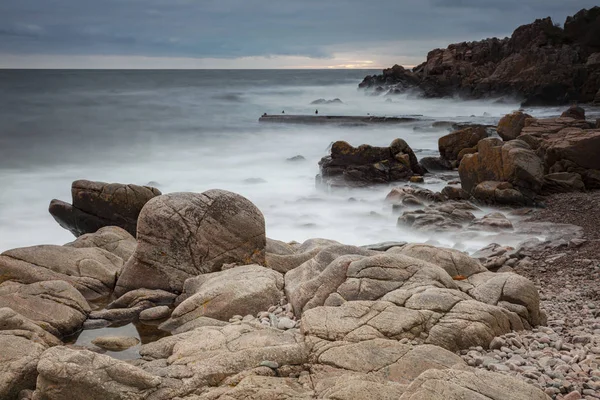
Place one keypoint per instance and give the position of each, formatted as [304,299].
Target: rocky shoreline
[540,64]
[224,312]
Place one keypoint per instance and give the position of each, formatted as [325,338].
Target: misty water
[198,130]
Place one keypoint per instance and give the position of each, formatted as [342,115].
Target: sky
[368,34]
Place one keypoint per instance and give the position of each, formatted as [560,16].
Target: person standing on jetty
[316,111]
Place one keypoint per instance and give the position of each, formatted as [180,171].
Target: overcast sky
[252,33]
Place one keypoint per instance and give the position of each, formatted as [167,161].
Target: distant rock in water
[541,63]
[323,101]
[367,165]
[99,204]
[254,180]
[297,158]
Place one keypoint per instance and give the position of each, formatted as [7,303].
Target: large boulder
[513,162]
[367,165]
[454,143]
[182,235]
[99,204]
[92,271]
[110,238]
[511,125]
[56,306]
[241,290]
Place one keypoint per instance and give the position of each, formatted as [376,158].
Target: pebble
[286,323]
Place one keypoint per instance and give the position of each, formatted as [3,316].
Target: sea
[194,130]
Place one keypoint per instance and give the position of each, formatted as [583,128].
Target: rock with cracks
[182,235]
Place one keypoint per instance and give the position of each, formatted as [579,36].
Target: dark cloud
[236,28]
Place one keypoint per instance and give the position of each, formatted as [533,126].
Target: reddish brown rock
[540,63]
[452,146]
[510,125]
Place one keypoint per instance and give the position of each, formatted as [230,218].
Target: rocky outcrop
[413,292]
[367,165]
[241,290]
[513,162]
[182,235]
[92,271]
[55,306]
[540,63]
[99,204]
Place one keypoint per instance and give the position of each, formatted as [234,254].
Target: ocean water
[199,130]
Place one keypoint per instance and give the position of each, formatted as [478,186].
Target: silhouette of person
[316,111]
[283,112]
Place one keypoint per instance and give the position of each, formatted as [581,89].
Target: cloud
[233,29]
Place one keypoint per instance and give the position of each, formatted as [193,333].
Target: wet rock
[182,235]
[574,112]
[493,221]
[433,164]
[455,193]
[367,165]
[115,343]
[92,271]
[398,195]
[99,204]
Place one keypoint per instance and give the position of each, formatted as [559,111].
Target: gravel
[562,358]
